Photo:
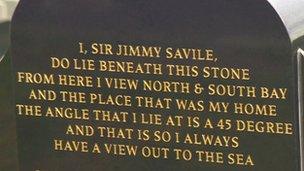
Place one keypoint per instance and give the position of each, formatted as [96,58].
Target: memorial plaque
[158,85]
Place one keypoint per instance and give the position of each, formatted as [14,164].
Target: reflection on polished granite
[8,153]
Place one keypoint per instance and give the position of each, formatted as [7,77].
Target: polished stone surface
[244,33]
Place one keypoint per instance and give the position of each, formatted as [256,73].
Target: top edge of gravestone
[290,12]
[292,15]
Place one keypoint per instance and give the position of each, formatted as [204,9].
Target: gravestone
[158,85]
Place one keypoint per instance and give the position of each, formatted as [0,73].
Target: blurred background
[7,8]
[8,146]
